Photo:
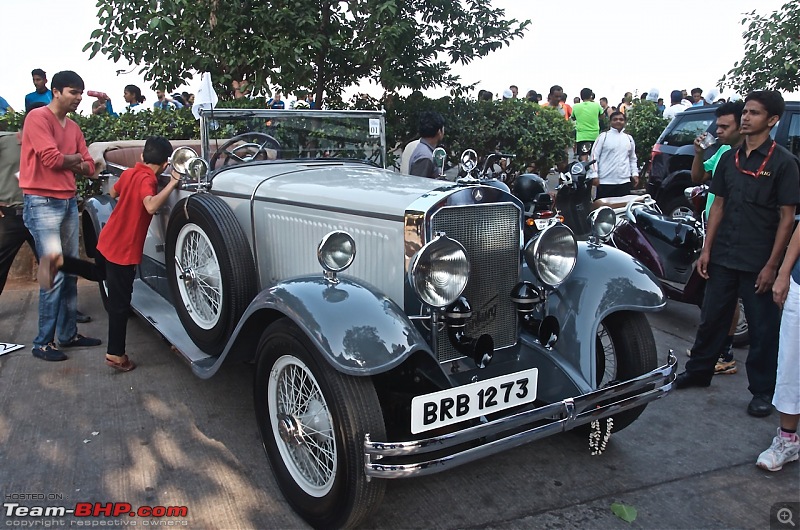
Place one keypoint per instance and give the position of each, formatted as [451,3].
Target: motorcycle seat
[617,203]
[676,232]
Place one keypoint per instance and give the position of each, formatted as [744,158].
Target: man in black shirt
[757,186]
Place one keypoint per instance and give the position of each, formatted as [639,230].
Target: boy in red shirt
[121,242]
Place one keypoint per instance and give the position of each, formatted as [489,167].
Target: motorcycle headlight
[439,271]
[551,254]
[577,168]
[603,221]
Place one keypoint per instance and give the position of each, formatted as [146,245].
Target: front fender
[605,280]
[354,326]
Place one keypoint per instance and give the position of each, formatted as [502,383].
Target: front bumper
[407,459]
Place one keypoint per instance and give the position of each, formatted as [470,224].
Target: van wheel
[210,270]
[678,208]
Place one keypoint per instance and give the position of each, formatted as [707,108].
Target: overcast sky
[610,46]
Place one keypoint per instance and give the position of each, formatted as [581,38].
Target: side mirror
[439,159]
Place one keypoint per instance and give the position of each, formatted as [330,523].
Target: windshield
[688,127]
[236,136]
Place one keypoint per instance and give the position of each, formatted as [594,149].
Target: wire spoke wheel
[198,267]
[313,421]
[301,420]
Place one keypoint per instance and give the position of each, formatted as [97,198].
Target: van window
[793,142]
[688,128]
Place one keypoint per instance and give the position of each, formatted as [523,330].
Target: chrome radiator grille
[490,234]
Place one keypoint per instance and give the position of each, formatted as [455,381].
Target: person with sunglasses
[757,187]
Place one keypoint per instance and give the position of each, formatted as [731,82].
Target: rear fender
[605,280]
[96,212]
[674,184]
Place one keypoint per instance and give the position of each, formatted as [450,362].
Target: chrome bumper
[407,459]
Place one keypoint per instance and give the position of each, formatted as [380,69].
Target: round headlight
[336,251]
[577,168]
[551,254]
[603,221]
[439,272]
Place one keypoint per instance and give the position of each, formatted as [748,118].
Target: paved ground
[81,432]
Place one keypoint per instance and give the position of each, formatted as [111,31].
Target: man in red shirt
[121,242]
[53,151]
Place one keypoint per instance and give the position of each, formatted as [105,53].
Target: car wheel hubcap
[302,425]
[197,266]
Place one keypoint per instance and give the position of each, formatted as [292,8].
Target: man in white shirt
[676,106]
[614,153]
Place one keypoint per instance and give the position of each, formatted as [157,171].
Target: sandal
[125,366]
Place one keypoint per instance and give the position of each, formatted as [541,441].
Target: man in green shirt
[729,117]
[587,123]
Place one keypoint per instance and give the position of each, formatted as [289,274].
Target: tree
[324,45]
[772,52]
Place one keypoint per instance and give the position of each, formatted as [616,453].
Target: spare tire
[210,270]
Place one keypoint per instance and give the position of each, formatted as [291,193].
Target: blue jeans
[54,226]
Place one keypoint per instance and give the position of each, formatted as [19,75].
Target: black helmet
[528,186]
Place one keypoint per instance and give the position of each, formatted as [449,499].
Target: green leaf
[624,512]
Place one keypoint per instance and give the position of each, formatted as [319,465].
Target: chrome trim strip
[564,415]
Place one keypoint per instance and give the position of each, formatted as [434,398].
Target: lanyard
[760,169]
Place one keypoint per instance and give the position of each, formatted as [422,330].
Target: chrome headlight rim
[538,252]
[424,265]
[603,221]
[336,251]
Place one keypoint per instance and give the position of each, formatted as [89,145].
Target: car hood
[345,186]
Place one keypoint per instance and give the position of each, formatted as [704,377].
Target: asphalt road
[77,432]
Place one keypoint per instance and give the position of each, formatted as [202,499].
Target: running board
[162,315]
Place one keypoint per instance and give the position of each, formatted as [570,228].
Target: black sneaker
[688,380]
[79,341]
[49,352]
[81,318]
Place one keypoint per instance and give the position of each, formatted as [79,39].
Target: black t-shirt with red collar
[754,188]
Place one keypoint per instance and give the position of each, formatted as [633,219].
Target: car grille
[490,234]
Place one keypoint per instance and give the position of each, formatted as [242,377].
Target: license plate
[474,400]
[541,224]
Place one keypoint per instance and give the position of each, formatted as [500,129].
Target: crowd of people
[751,250]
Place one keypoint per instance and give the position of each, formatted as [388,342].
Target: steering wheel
[255,145]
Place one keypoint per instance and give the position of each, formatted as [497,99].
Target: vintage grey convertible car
[398,325]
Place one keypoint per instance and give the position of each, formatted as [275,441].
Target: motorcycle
[574,199]
[668,247]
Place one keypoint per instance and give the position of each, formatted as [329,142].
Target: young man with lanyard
[729,117]
[54,151]
[121,243]
[757,187]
